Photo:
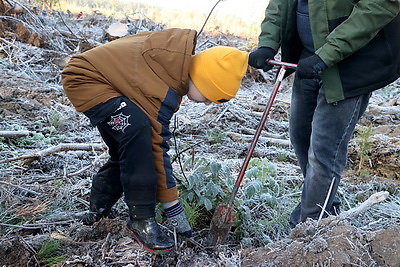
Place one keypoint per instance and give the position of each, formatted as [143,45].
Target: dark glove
[258,58]
[310,67]
[177,218]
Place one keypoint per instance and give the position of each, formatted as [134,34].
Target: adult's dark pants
[320,133]
[130,171]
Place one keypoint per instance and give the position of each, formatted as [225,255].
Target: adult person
[344,50]
[129,88]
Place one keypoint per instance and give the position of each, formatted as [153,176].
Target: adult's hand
[310,67]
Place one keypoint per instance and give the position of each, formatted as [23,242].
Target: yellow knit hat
[218,71]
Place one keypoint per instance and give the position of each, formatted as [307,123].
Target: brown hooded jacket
[151,69]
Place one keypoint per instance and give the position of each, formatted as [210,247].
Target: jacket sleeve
[270,35]
[367,18]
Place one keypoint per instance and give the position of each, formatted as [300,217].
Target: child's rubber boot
[148,234]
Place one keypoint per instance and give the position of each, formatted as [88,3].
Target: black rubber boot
[149,235]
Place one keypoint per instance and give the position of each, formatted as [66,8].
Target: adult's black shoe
[149,235]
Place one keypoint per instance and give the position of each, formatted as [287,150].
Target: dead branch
[21,188]
[326,200]
[353,212]
[55,149]
[376,110]
[10,18]
[221,114]
[66,26]
[105,247]
[87,167]
[34,17]
[245,130]
[9,43]
[363,207]
[36,226]
[19,226]
[239,115]
[310,226]
[269,141]
[209,42]
[14,133]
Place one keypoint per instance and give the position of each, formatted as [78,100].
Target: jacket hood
[168,55]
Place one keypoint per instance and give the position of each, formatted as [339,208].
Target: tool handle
[282,64]
[264,117]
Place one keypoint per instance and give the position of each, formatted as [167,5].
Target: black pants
[130,169]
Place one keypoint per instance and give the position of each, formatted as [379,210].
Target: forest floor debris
[42,197]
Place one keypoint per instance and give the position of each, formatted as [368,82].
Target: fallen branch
[239,115]
[247,138]
[9,43]
[363,207]
[36,226]
[314,228]
[14,133]
[55,149]
[34,17]
[245,130]
[353,212]
[97,159]
[73,35]
[21,188]
[221,114]
[376,110]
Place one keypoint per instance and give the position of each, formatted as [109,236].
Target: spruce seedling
[365,144]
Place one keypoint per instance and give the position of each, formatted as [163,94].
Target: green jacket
[358,40]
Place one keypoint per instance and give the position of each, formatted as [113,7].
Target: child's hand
[259,58]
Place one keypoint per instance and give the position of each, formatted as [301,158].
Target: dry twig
[209,14]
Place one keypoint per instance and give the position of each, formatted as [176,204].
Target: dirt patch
[340,244]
